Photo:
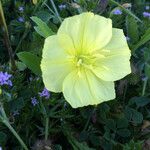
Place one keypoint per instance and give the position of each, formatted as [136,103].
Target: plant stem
[5,120]
[6,38]
[46,127]
[26,30]
[15,134]
[88,121]
[21,39]
[55,9]
[144,86]
[125,10]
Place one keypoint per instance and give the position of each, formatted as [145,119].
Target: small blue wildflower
[15,113]
[21,19]
[144,78]
[146,14]
[65,105]
[34,101]
[62,6]
[5,78]
[127,38]
[117,12]
[30,78]
[147,7]
[1,148]
[45,93]
[21,8]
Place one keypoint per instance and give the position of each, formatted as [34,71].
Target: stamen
[79,62]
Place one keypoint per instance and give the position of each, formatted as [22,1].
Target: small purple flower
[21,8]
[15,113]
[5,78]
[147,7]
[127,38]
[34,101]
[144,78]
[45,93]
[65,105]
[30,78]
[146,14]
[117,12]
[1,148]
[62,6]
[21,19]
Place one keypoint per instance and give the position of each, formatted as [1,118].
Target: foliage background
[122,123]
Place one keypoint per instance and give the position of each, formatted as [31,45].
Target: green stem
[6,37]
[21,39]
[44,112]
[144,86]
[88,121]
[5,120]
[15,134]
[46,127]
[55,9]
[125,10]
[26,30]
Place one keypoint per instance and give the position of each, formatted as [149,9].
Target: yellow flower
[84,59]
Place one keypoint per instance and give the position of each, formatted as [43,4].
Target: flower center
[84,61]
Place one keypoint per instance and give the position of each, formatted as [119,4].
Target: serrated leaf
[31,61]
[122,123]
[110,123]
[132,29]
[123,132]
[42,28]
[139,101]
[133,115]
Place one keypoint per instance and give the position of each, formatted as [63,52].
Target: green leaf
[144,39]
[122,123]
[110,123]
[137,117]
[132,145]
[16,104]
[123,132]
[75,144]
[133,115]
[31,61]
[147,70]
[95,140]
[3,138]
[132,29]
[42,27]
[139,101]
[21,66]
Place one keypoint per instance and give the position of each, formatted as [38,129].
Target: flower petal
[117,44]
[116,63]
[55,64]
[84,88]
[85,32]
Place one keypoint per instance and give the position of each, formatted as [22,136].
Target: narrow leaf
[132,29]
[42,28]
[144,39]
[125,10]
